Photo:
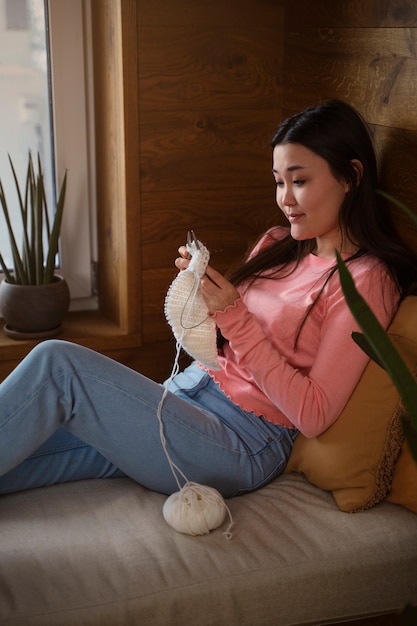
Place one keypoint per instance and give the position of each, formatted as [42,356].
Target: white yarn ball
[195,509]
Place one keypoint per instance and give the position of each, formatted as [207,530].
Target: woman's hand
[218,292]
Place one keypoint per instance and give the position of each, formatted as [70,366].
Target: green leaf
[379,342]
[54,236]
[17,261]
[364,345]
[7,275]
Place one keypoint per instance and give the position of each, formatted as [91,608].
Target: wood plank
[350,14]
[214,13]
[131,309]
[374,69]
[397,155]
[209,67]
[201,150]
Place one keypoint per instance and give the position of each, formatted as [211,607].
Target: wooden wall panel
[352,13]
[397,151]
[216,13]
[208,66]
[210,93]
[374,69]
[205,149]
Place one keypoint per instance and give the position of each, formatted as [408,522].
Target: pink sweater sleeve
[311,401]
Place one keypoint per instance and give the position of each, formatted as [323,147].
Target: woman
[288,362]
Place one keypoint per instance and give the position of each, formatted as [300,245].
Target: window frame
[71,74]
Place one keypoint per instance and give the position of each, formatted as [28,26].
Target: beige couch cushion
[356,458]
[99,553]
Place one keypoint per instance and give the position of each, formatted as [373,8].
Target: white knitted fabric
[187,312]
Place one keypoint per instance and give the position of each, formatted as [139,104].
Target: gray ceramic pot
[33,309]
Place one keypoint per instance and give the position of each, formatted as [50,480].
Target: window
[17,17]
[46,107]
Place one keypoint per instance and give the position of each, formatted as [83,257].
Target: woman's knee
[53,354]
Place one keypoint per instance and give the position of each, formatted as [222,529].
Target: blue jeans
[69,413]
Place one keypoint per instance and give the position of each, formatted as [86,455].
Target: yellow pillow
[356,458]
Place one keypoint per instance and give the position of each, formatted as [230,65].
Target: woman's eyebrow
[291,168]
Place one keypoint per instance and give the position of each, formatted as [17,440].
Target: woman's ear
[357,174]
[358,166]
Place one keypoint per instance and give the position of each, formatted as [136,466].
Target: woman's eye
[279,183]
[299,182]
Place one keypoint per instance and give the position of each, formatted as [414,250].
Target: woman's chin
[299,234]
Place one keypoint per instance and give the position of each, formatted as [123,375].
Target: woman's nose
[287,198]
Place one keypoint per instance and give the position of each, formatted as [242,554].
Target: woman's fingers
[182,262]
[217,291]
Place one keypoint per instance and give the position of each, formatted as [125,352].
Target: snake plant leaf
[37,222]
[379,342]
[7,275]
[53,241]
[18,265]
[364,345]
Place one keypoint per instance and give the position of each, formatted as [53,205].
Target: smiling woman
[286,362]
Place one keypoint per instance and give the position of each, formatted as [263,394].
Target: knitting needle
[191,238]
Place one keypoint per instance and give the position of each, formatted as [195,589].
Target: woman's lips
[294,217]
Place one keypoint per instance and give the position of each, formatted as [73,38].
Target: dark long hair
[335,131]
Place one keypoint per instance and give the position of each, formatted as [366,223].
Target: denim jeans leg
[62,458]
[114,410]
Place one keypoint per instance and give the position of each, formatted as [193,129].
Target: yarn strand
[173,466]
[190,492]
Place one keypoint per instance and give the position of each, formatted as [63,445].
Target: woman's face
[309,196]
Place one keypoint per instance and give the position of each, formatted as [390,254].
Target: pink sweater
[306,388]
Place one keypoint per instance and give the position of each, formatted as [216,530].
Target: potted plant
[33,299]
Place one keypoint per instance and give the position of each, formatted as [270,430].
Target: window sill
[88,328]
[93,330]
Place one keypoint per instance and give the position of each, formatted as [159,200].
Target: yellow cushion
[356,458]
